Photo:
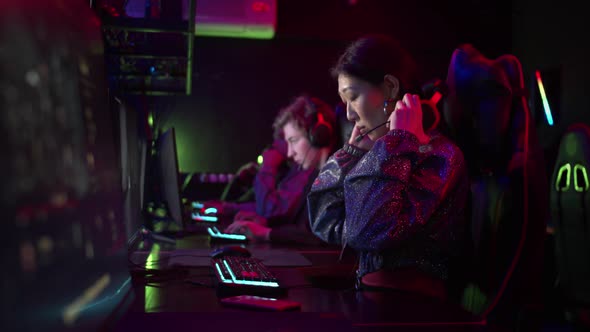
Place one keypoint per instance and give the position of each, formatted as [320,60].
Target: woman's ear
[391,88]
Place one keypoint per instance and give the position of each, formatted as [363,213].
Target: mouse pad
[201,257]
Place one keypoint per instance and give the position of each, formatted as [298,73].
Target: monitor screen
[133,149]
[64,252]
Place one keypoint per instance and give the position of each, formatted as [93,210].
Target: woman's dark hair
[372,57]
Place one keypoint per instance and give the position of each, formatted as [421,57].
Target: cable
[525,181]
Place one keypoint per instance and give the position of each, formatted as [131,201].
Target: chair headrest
[575,144]
[486,107]
[572,164]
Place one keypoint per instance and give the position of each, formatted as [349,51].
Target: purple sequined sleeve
[401,204]
[394,190]
[326,198]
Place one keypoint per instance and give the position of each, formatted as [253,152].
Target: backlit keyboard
[244,275]
[200,213]
[218,235]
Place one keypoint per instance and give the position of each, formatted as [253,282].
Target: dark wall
[240,84]
[554,38]
[238,88]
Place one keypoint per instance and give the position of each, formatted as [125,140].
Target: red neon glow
[436,97]
[260,7]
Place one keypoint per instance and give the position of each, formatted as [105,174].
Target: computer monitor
[133,152]
[168,178]
[64,242]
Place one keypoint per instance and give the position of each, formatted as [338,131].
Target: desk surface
[186,297]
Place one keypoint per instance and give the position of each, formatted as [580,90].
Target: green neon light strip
[568,168]
[247,282]
[584,174]
[251,31]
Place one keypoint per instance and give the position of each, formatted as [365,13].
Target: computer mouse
[230,251]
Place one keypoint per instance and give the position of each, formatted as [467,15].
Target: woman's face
[298,146]
[364,104]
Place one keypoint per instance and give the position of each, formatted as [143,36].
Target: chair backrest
[487,115]
[570,213]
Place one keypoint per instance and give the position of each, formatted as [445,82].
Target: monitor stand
[144,234]
[148,235]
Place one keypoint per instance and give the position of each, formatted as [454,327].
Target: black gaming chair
[570,216]
[487,115]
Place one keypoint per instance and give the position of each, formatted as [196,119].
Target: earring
[388,106]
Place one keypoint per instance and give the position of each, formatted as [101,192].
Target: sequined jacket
[400,204]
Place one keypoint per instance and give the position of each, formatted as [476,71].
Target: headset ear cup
[321,132]
[320,136]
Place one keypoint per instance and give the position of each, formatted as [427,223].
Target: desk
[325,291]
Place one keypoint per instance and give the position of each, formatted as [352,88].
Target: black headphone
[320,131]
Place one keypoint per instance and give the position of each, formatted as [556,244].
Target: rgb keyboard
[216,234]
[244,275]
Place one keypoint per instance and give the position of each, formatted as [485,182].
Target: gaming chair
[487,115]
[570,217]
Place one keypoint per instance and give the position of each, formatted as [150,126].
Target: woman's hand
[365,143]
[252,230]
[408,116]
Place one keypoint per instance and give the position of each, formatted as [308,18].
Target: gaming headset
[320,131]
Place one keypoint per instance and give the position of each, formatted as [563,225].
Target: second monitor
[165,184]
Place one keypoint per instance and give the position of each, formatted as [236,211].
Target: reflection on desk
[324,286]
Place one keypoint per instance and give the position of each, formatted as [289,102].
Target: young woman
[394,193]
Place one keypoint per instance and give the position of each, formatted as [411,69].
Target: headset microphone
[434,99]
[360,137]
